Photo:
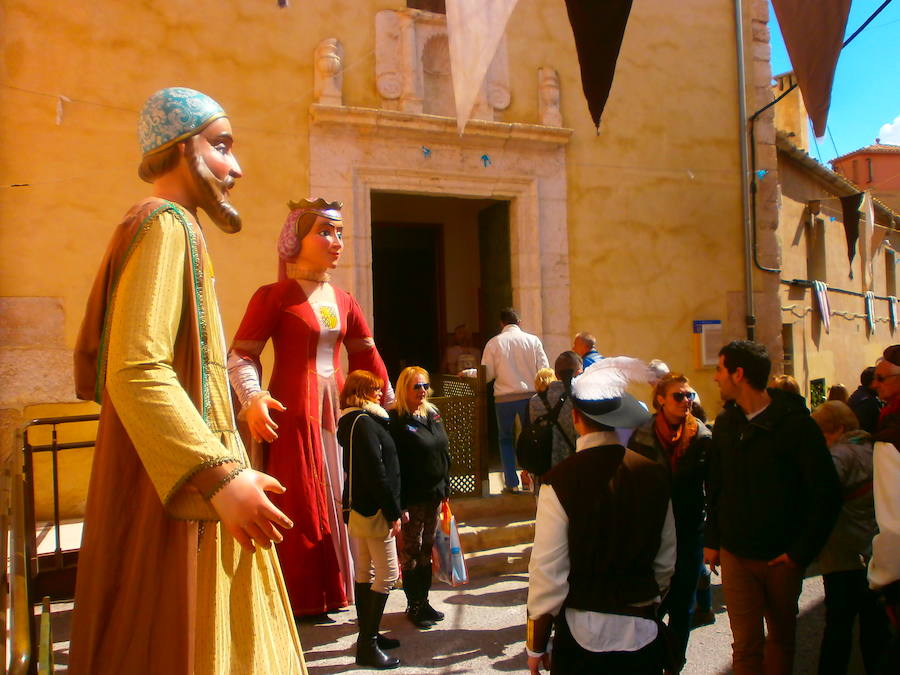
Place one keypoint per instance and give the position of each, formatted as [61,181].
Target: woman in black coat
[676,439]
[424,467]
[372,487]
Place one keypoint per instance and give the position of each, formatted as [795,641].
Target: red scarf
[675,442]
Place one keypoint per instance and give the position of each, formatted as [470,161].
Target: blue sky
[865,100]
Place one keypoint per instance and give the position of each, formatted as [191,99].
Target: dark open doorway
[437,262]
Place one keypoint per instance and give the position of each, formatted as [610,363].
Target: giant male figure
[177,573]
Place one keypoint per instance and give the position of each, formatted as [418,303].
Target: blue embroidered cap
[173,114]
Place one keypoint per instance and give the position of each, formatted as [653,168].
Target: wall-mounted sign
[707,342]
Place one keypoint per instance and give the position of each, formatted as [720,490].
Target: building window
[890,272]
[815,251]
[854,178]
[787,340]
[436,6]
[869,167]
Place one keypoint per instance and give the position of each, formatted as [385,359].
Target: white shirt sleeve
[548,571]
[487,360]
[884,567]
[664,563]
[541,355]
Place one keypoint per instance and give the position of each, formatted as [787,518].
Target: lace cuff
[244,379]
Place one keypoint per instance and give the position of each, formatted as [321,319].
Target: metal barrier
[19,630]
[52,574]
[463,405]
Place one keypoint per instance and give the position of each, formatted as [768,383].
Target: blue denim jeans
[506,428]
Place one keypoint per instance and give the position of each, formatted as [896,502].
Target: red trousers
[754,592]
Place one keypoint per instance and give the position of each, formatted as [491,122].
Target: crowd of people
[179,530]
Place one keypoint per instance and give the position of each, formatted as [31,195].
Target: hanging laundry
[820,292]
[870,311]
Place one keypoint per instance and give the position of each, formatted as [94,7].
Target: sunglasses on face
[679,396]
[882,378]
[421,385]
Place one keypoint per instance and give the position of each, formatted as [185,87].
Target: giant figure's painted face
[214,170]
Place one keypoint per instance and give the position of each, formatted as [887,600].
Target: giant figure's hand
[262,426]
[246,512]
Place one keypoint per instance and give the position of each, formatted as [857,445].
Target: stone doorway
[358,153]
[437,263]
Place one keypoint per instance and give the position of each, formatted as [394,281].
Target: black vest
[616,501]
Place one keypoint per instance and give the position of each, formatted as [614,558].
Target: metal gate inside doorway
[463,405]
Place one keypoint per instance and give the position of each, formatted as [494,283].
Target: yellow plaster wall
[654,208]
[840,355]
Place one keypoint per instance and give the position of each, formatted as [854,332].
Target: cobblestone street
[484,632]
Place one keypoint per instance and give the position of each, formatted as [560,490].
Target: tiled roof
[840,186]
[876,148]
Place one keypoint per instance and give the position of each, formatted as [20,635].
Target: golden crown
[330,210]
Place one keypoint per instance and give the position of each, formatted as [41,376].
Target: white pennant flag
[474,29]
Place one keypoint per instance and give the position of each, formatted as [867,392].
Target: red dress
[306,379]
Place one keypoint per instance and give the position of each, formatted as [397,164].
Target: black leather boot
[368,653]
[415,599]
[363,594]
[428,612]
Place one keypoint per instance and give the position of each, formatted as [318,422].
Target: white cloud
[890,133]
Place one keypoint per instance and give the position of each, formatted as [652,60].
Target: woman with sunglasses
[372,487]
[425,479]
[680,442]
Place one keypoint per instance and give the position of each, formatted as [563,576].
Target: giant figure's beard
[213,197]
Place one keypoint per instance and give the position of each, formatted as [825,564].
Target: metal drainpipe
[745,170]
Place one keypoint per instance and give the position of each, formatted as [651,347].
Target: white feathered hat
[599,392]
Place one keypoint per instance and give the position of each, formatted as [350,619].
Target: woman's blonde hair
[359,384]
[404,382]
[543,378]
[834,415]
[663,385]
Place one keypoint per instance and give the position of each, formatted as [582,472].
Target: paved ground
[484,633]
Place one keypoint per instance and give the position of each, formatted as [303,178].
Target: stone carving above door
[412,67]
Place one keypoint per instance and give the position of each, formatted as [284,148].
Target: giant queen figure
[307,320]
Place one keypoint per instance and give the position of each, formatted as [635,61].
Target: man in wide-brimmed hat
[604,546]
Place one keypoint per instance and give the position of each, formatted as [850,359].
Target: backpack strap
[554,419]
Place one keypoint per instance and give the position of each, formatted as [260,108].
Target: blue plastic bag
[448,561]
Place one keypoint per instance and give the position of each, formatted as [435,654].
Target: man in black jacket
[773,497]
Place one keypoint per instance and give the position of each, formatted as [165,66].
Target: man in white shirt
[604,546]
[512,359]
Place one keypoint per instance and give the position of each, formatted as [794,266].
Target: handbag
[375,526]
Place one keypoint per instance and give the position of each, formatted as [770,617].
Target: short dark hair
[509,316]
[592,424]
[867,376]
[566,365]
[750,356]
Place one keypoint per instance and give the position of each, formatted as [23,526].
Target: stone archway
[354,151]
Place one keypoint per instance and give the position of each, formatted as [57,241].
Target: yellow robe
[241,618]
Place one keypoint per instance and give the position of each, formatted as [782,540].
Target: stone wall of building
[653,202]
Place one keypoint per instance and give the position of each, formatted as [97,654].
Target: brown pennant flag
[598,28]
[813,32]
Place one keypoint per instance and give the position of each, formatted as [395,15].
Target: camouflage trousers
[418,535]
